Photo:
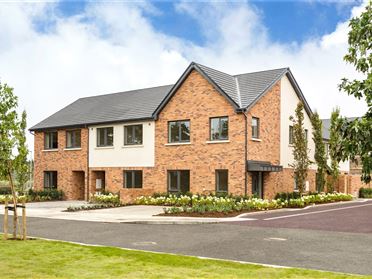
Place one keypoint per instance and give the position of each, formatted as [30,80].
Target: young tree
[320,153]
[21,164]
[334,143]
[9,140]
[301,161]
[356,135]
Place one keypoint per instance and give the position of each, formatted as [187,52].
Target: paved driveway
[279,243]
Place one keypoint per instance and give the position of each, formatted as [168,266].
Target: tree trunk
[15,215]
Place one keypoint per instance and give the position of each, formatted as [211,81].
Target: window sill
[50,150]
[254,139]
[177,143]
[217,141]
[72,149]
[133,146]
[104,147]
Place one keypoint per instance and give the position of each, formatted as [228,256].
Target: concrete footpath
[134,214]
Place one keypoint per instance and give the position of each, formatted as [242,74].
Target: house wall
[64,161]
[198,100]
[289,101]
[119,155]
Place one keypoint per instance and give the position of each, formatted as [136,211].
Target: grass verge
[54,259]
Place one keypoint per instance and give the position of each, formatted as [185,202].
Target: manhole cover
[144,243]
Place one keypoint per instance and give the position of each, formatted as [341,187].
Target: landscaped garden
[215,206]
[52,259]
[98,201]
[365,193]
[32,195]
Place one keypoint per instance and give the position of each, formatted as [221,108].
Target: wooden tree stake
[24,220]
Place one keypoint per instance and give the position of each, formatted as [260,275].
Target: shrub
[90,207]
[45,195]
[5,191]
[105,198]
[365,193]
[287,196]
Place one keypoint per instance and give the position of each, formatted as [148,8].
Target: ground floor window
[222,181]
[179,181]
[50,179]
[133,179]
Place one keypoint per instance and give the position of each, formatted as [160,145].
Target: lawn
[52,259]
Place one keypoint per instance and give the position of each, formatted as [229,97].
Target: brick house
[208,132]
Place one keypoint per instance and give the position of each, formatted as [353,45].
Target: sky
[55,52]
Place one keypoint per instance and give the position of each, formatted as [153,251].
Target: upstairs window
[133,134]
[50,140]
[179,131]
[73,139]
[50,179]
[255,127]
[133,179]
[219,128]
[222,181]
[290,134]
[105,136]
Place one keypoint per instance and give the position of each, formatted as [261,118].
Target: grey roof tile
[129,105]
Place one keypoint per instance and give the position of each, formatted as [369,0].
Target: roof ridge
[285,68]
[128,91]
[198,64]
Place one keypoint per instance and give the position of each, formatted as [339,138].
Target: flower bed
[186,205]
[35,196]
[98,201]
[365,193]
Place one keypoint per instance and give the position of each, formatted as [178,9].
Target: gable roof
[242,91]
[124,106]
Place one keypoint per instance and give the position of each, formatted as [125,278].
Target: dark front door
[257,184]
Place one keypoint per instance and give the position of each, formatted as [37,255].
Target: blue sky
[286,21]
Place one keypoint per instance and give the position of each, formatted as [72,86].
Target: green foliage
[365,193]
[45,195]
[91,207]
[356,135]
[287,196]
[21,164]
[334,145]
[5,191]
[320,152]
[105,198]
[301,161]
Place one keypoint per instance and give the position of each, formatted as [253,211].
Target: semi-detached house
[209,132]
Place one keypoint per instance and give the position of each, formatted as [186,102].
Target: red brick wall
[62,161]
[197,100]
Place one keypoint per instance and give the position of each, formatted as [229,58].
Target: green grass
[52,259]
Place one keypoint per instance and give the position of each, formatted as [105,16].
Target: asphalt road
[276,241]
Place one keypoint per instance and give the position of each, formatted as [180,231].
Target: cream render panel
[288,104]
[120,155]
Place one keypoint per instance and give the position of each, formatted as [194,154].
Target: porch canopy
[263,166]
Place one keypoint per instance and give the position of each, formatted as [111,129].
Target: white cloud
[113,47]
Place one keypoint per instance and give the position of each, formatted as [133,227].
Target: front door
[257,184]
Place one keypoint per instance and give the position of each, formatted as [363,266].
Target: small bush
[105,198]
[5,191]
[90,207]
[365,193]
[45,195]
[287,196]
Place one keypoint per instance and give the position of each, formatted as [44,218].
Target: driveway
[333,248]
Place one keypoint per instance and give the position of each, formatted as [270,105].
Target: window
[133,134]
[73,139]
[219,127]
[222,180]
[179,181]
[255,127]
[290,134]
[50,179]
[133,179]
[179,131]
[105,136]
[50,140]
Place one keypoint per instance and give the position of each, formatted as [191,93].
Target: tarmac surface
[335,237]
